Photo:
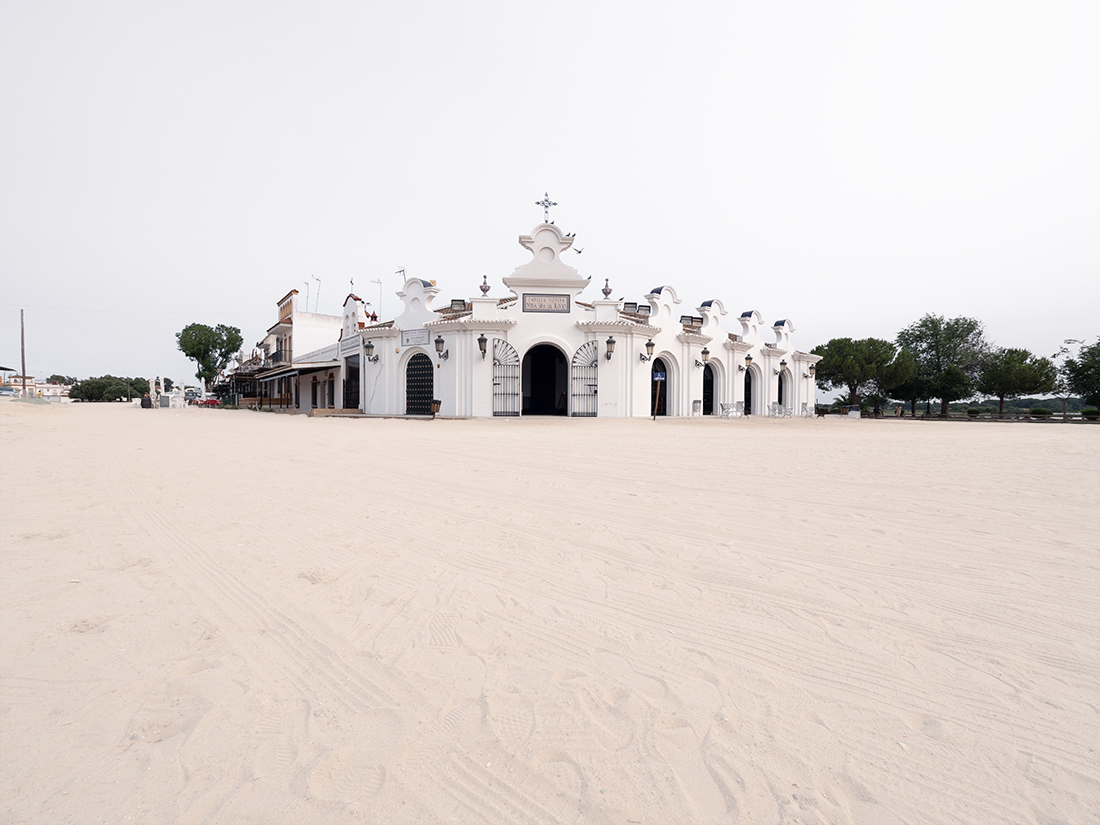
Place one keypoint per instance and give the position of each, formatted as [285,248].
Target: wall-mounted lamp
[748,360]
[813,369]
[706,357]
[442,354]
[782,366]
[648,351]
[481,342]
[369,350]
[610,346]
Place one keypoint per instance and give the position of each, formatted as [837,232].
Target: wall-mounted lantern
[481,342]
[706,357]
[610,346]
[648,351]
[369,350]
[442,354]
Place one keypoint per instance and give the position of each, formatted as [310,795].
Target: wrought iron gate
[585,363]
[505,378]
[419,385]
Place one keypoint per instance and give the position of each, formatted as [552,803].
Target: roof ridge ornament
[545,203]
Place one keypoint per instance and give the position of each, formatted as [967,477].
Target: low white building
[300,369]
[541,350]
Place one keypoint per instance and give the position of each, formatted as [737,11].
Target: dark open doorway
[708,390]
[351,383]
[748,392]
[545,380]
[658,393]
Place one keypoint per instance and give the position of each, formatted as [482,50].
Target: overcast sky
[850,166]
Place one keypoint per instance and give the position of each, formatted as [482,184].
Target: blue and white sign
[349,344]
[415,337]
[658,376]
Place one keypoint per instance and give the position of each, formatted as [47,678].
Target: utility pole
[23,353]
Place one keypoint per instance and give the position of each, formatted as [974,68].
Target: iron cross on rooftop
[546,203]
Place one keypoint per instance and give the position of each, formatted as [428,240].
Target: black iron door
[419,385]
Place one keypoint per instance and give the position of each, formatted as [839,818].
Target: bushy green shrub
[1090,413]
[973,412]
[1040,412]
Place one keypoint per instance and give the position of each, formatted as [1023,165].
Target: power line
[205,312]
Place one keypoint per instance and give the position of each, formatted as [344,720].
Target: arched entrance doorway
[748,392]
[708,390]
[782,399]
[419,385]
[545,379]
[658,393]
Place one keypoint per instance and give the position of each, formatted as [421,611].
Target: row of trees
[112,388]
[108,388]
[951,360]
[212,348]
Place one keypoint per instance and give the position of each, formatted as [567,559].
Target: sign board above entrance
[537,302]
[349,344]
[415,337]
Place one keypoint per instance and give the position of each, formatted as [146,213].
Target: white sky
[850,166]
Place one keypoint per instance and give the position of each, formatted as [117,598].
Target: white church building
[542,350]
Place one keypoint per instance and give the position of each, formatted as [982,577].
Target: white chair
[735,410]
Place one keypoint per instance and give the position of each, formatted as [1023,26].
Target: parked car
[9,391]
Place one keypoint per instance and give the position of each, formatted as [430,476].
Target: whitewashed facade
[542,350]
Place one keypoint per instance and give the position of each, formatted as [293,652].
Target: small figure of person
[898,411]
[146,402]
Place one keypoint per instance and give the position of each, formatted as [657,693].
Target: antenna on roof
[379,282]
[307,294]
[317,301]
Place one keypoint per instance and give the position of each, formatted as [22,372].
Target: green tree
[1083,374]
[66,380]
[864,367]
[949,355]
[211,349]
[1010,373]
[915,387]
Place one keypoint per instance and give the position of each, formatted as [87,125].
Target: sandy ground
[217,616]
